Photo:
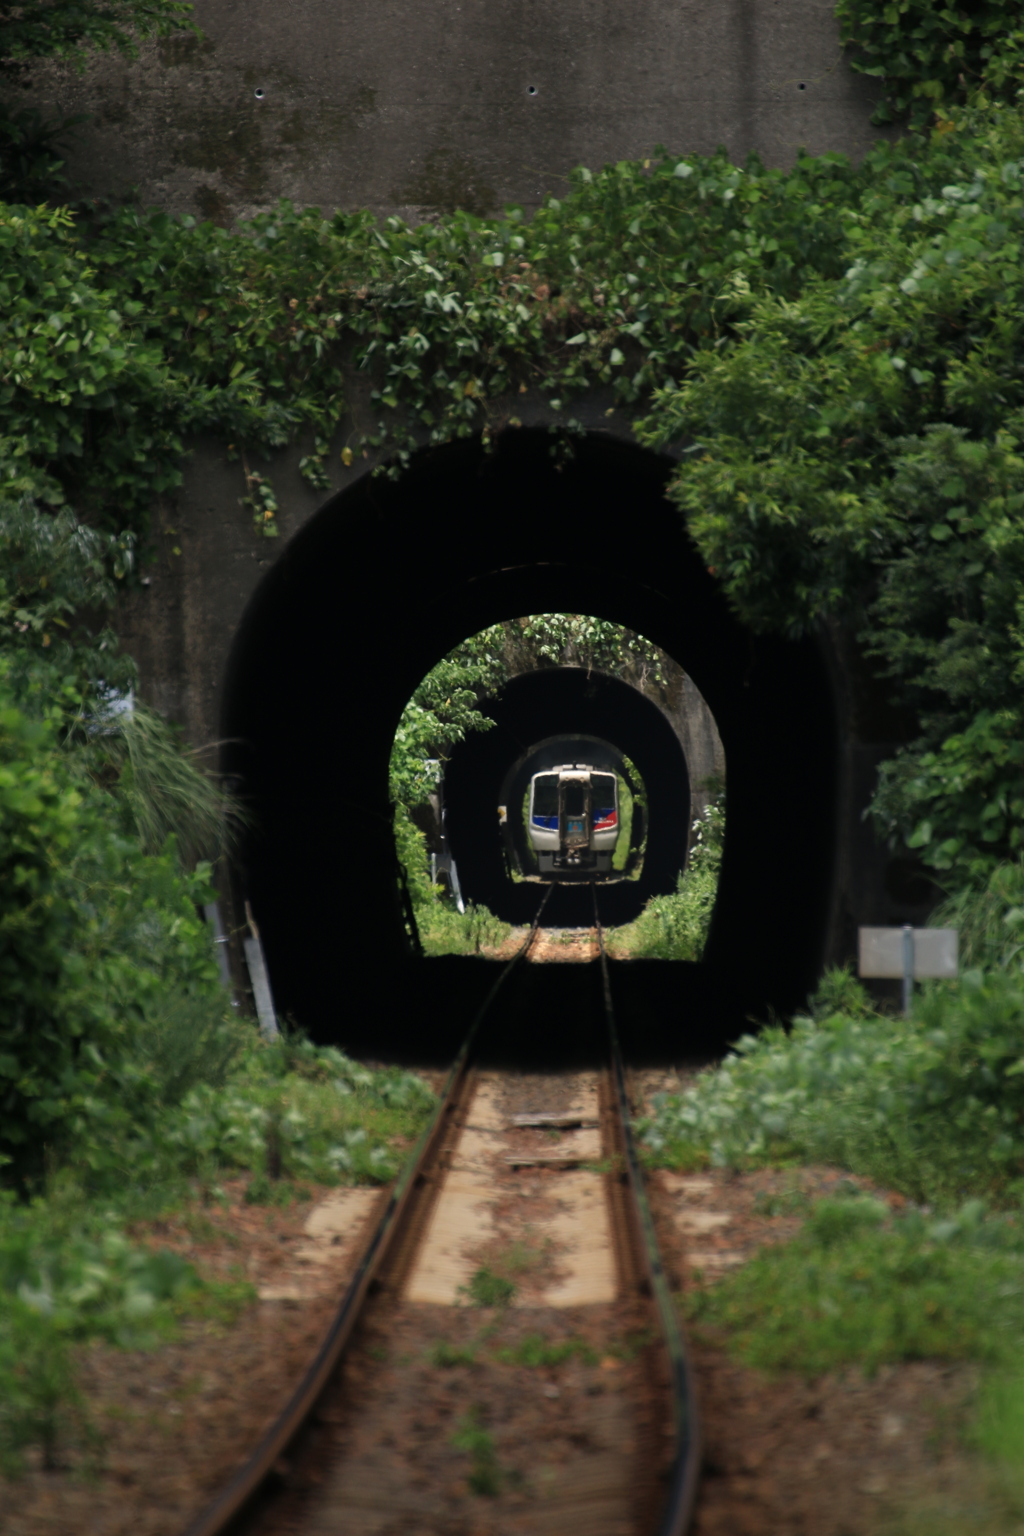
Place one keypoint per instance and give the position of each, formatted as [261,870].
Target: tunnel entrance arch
[554,702]
[388,577]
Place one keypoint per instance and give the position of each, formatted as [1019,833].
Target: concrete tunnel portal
[380,584]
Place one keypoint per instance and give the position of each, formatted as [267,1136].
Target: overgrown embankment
[128,1084]
[675,927]
[929,1107]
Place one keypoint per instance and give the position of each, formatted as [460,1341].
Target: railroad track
[387,1410]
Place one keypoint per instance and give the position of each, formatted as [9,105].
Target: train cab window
[574,797]
[602,799]
[545,800]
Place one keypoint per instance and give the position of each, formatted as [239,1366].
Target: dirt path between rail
[552,945]
[503,1386]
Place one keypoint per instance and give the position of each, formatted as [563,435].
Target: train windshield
[545,800]
[602,799]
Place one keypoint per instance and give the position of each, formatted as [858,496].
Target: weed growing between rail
[486,1289]
[485,1475]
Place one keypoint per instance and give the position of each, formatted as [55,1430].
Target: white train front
[573,822]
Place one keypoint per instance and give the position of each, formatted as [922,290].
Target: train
[573,820]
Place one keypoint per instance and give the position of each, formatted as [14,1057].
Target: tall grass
[162,787]
[443,930]
[990,918]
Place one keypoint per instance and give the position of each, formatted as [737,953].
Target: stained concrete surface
[418,106]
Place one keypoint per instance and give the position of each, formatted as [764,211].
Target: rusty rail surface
[685,1473]
[217,1517]
[240,1494]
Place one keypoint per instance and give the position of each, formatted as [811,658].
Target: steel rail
[685,1472]
[247,1481]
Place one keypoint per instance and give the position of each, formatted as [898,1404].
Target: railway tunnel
[380,584]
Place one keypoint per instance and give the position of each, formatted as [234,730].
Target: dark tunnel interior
[377,587]
[565,700]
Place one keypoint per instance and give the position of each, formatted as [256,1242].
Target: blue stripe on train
[602,819]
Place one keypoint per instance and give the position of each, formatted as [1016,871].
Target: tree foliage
[931,56]
[542,640]
[73,30]
[101,817]
[798,336]
[439,714]
[856,455]
[92,933]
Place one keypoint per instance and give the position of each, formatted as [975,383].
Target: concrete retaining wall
[418,106]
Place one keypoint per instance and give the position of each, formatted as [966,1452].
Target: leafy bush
[944,626]
[446,931]
[69,1274]
[191,1096]
[110,1002]
[676,927]
[933,1105]
[184,1041]
[43,1023]
[823,486]
[860,1287]
[312,1111]
[110,1005]
[932,56]
[53,569]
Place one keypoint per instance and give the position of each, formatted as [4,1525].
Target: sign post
[909,954]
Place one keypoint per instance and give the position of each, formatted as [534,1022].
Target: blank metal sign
[936,952]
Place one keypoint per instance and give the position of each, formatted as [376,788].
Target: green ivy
[122,335]
[793,335]
[73,30]
[931,56]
